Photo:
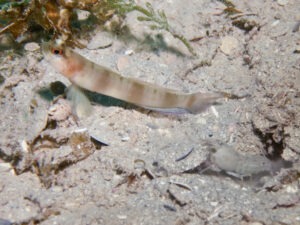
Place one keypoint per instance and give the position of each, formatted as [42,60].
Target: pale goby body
[93,77]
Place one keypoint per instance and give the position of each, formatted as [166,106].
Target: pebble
[275,23]
[228,44]
[296,26]
[4,167]
[129,52]
[122,217]
[287,200]
[100,40]
[125,139]
[6,41]
[82,14]
[297,49]
[60,111]
[282,2]
[201,121]
[32,46]
[255,223]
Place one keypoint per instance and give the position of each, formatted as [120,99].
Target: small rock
[275,23]
[297,49]
[129,52]
[100,40]
[60,111]
[4,167]
[82,14]
[255,223]
[228,44]
[289,155]
[32,46]
[122,217]
[282,2]
[6,41]
[125,139]
[287,200]
[296,27]
[201,121]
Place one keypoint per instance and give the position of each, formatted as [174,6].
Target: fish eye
[56,51]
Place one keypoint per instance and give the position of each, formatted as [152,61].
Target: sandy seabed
[51,172]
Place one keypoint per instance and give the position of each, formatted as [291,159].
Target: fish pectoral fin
[80,103]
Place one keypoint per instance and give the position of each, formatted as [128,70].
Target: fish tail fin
[199,102]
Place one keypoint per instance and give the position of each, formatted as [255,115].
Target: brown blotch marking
[101,81]
[136,93]
[170,100]
[191,100]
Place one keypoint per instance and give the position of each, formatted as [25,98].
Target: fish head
[61,58]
